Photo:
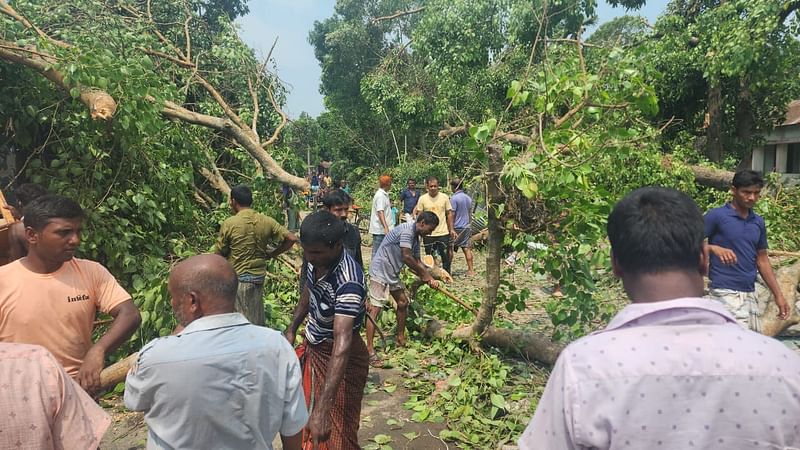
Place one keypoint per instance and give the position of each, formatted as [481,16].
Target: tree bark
[788,279]
[744,123]
[530,345]
[494,198]
[711,177]
[714,126]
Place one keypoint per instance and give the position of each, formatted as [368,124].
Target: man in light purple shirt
[462,221]
[671,370]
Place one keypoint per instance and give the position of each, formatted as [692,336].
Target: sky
[290,21]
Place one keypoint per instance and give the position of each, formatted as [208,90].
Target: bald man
[220,381]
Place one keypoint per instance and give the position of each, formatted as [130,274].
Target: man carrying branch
[399,247]
[333,357]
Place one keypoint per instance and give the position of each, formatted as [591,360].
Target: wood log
[711,177]
[788,278]
[116,373]
[531,345]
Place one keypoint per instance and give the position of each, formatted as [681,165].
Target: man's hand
[290,336]
[89,373]
[319,424]
[453,236]
[433,283]
[726,255]
[385,230]
[783,307]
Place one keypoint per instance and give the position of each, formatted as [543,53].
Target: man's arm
[17,244]
[222,245]
[294,442]
[450,219]
[320,422]
[126,321]
[417,267]
[726,255]
[765,269]
[382,219]
[287,243]
[299,315]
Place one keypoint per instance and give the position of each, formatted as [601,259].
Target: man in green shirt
[246,240]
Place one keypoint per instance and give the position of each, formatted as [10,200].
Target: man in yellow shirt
[247,240]
[438,203]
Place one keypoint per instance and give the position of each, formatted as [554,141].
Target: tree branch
[397,14]
[284,120]
[6,9]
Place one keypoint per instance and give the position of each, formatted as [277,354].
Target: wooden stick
[457,300]
[784,253]
[116,373]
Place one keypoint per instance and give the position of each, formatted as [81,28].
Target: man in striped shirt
[333,356]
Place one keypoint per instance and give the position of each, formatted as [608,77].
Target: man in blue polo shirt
[737,242]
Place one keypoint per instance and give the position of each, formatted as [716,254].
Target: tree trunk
[788,279]
[711,177]
[530,345]
[494,198]
[714,124]
[744,123]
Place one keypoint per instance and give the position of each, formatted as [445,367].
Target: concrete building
[781,150]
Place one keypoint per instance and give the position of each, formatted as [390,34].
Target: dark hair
[455,184]
[429,218]
[336,197]
[744,178]
[411,179]
[321,227]
[242,195]
[656,229]
[28,192]
[39,212]
[431,178]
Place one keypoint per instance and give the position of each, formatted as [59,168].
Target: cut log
[788,278]
[711,177]
[531,345]
[116,373]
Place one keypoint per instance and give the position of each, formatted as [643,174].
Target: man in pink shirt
[41,407]
[671,370]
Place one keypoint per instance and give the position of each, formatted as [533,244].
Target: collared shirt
[388,261]
[380,202]
[352,243]
[726,228]
[677,374]
[41,407]
[339,293]
[462,206]
[246,240]
[221,383]
[409,198]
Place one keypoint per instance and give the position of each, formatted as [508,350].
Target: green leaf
[75,92]
[382,439]
[411,435]
[498,401]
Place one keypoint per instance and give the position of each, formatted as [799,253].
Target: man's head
[432,185]
[385,182]
[203,285]
[455,184]
[411,184]
[427,221]
[321,236]
[342,184]
[746,188]
[25,194]
[338,203]
[654,231]
[241,197]
[53,225]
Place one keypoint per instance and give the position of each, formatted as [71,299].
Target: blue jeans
[376,242]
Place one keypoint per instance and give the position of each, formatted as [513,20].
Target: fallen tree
[48,61]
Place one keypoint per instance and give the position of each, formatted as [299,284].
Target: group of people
[454,214]
[671,370]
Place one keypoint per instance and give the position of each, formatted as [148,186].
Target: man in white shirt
[381,211]
[220,381]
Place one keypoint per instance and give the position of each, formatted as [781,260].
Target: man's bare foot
[401,341]
[471,273]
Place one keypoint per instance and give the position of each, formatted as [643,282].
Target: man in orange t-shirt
[50,298]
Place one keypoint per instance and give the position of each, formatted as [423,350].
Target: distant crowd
[673,369]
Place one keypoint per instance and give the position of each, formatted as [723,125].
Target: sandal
[375,361]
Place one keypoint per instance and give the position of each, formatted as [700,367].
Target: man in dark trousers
[737,241]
